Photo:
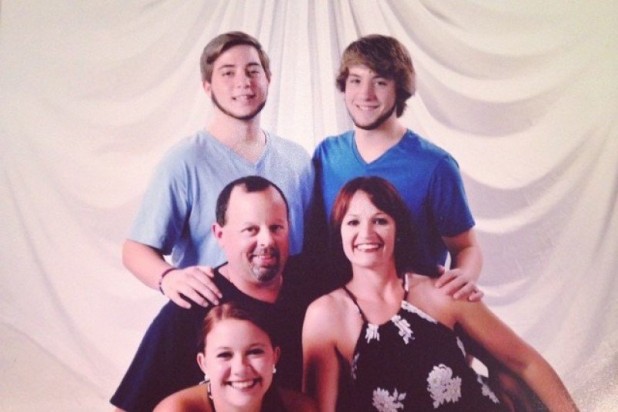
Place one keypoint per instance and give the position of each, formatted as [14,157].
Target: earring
[208,390]
[274,369]
[206,378]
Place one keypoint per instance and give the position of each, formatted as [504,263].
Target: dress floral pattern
[404,328]
[385,402]
[412,362]
[443,386]
[372,333]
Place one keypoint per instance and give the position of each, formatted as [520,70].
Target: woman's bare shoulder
[423,285]
[329,303]
[426,296]
[326,314]
[297,401]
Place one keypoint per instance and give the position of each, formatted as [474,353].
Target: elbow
[127,248]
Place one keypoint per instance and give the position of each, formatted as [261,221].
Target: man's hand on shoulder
[455,283]
[194,283]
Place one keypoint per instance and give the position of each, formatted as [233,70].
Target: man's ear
[217,231]
[207,87]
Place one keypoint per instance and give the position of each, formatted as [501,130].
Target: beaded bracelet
[165,272]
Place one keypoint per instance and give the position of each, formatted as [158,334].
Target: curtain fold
[523,94]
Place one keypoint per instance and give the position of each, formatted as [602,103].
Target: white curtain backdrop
[524,94]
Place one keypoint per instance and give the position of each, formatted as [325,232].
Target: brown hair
[235,310]
[223,42]
[385,197]
[388,58]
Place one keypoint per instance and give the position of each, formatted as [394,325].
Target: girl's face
[368,234]
[239,359]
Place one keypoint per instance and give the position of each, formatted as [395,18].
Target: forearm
[145,262]
[470,261]
[466,254]
[546,383]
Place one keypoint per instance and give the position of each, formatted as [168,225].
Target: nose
[265,237]
[367,90]
[239,364]
[243,79]
[366,228]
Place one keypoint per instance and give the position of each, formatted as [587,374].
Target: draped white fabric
[524,95]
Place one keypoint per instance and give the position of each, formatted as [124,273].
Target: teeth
[264,257]
[243,384]
[365,247]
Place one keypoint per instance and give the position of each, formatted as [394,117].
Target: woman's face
[367,233]
[239,359]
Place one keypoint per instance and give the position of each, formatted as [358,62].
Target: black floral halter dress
[414,363]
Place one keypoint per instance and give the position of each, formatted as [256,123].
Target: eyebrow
[250,346]
[380,212]
[375,76]
[233,66]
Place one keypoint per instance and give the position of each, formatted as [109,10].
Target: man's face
[369,98]
[255,236]
[239,86]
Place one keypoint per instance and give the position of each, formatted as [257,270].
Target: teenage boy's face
[369,98]
[239,86]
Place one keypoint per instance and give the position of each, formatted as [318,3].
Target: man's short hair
[388,58]
[223,42]
[250,184]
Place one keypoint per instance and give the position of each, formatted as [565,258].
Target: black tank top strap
[360,311]
[406,286]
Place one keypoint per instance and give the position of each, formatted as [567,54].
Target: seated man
[252,228]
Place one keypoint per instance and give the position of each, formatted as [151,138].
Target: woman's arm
[504,344]
[320,364]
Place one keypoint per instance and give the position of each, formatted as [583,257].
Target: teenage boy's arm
[193,282]
[466,263]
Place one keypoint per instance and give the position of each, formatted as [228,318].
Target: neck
[374,282]
[372,144]
[264,291]
[245,137]
[231,130]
